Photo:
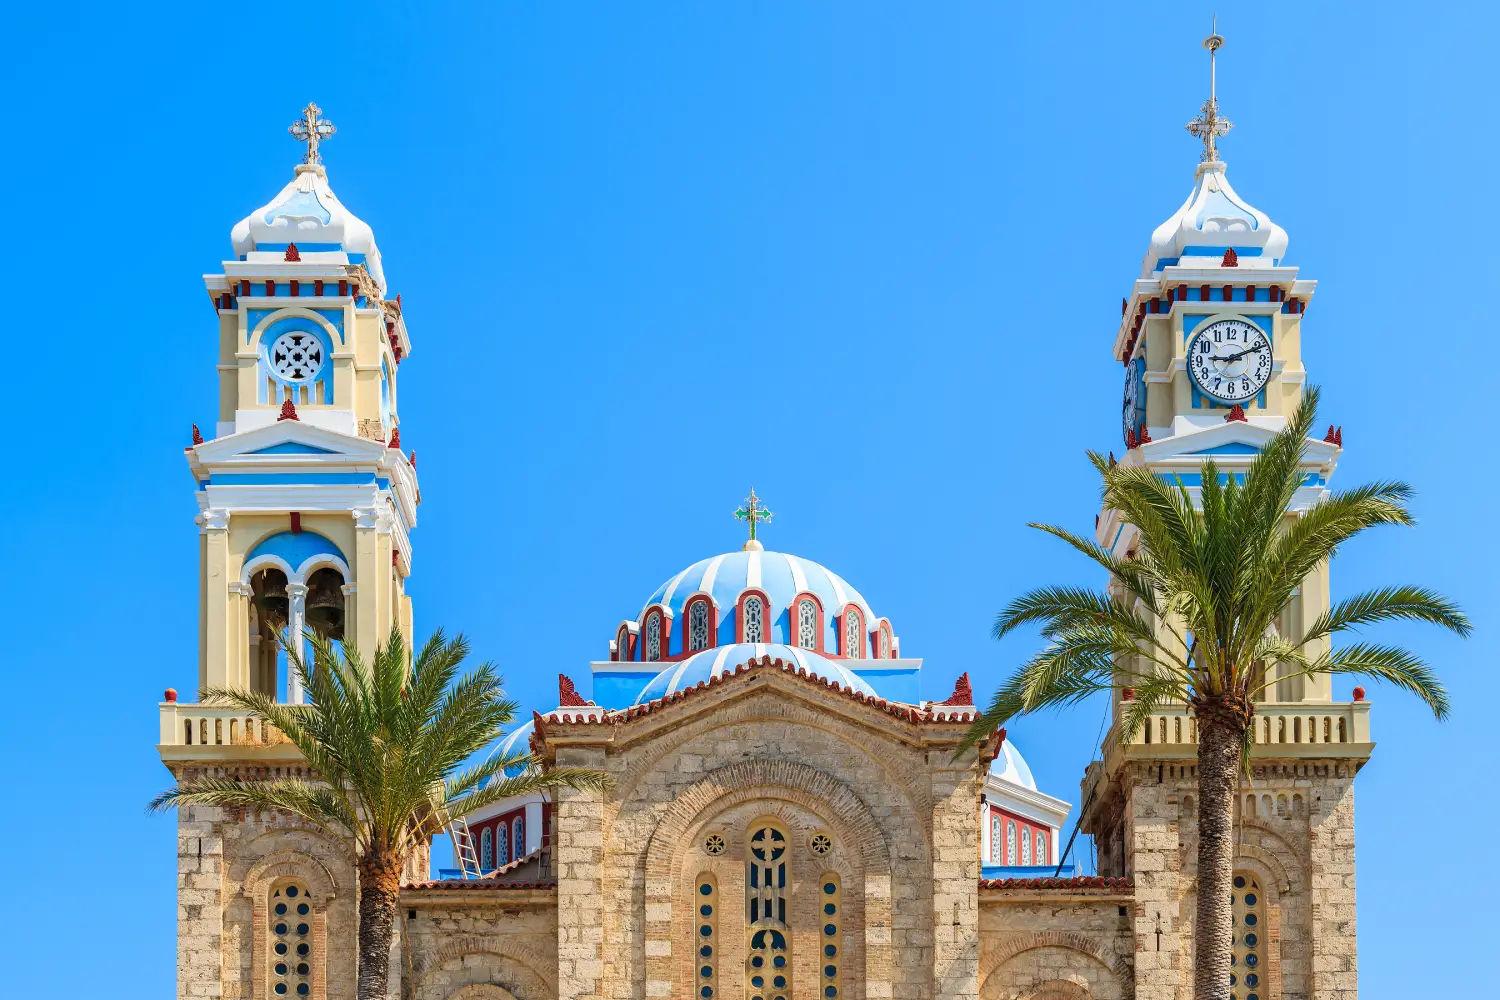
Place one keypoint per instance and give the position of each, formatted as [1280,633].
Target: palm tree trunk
[1221,729]
[379,893]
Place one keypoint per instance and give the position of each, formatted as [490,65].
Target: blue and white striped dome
[517,741]
[780,576]
[710,663]
[1010,766]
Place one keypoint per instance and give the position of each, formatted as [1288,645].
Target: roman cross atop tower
[1209,126]
[753,512]
[312,130]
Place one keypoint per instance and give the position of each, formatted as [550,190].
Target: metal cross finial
[312,130]
[1209,126]
[753,512]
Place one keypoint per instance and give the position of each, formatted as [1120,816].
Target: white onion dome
[755,596]
[1010,766]
[710,663]
[307,212]
[1213,219]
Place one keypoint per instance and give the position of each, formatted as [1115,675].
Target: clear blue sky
[866,257]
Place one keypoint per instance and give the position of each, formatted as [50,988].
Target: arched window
[697,626]
[885,641]
[486,851]
[289,919]
[1010,842]
[502,849]
[518,836]
[854,633]
[996,855]
[1025,848]
[753,627]
[622,644]
[708,926]
[653,636]
[768,962]
[831,903]
[1042,858]
[1248,945]
[807,623]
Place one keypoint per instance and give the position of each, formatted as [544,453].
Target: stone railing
[214,725]
[1275,723]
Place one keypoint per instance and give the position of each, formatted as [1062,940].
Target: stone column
[1335,974]
[367,571]
[200,904]
[578,859]
[240,660]
[1152,856]
[955,876]
[296,621]
[216,613]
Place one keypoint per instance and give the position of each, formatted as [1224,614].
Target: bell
[271,598]
[325,603]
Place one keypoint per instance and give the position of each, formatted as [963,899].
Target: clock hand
[1236,357]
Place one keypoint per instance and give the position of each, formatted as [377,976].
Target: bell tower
[306,500]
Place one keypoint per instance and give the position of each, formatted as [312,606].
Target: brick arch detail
[790,781]
[788,707]
[1057,989]
[533,983]
[256,887]
[481,991]
[1019,944]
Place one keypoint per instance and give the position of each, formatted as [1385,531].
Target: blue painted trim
[1207,251]
[1196,478]
[294,478]
[292,448]
[1011,871]
[309,247]
[1236,448]
[254,318]
[295,548]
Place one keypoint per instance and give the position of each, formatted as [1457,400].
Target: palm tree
[1194,622]
[386,739]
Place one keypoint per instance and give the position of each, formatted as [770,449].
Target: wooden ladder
[463,848]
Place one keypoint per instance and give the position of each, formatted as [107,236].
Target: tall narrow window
[290,923]
[697,626]
[807,624]
[885,642]
[831,902]
[1010,842]
[1247,946]
[754,610]
[653,637]
[518,836]
[1025,847]
[502,848]
[769,970]
[486,851]
[708,926]
[1041,849]
[622,644]
[996,843]
[853,634]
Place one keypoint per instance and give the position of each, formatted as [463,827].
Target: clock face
[1133,409]
[1230,361]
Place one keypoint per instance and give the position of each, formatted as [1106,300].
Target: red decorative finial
[292,253]
[395,438]
[288,411]
[1338,436]
[1237,412]
[398,301]
[567,694]
[170,695]
[1124,306]
[1112,462]
[1359,694]
[1128,694]
[198,435]
[963,691]
[1145,437]
[1231,259]
[1129,438]
[413,460]
[1329,436]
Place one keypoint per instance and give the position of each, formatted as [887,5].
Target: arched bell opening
[325,603]
[270,611]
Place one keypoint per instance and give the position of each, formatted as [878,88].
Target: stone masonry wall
[1044,944]
[485,938]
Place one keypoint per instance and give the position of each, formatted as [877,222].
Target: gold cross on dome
[312,130]
[754,513]
[1209,126]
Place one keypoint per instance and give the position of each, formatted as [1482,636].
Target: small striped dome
[517,741]
[725,659]
[1010,766]
[781,578]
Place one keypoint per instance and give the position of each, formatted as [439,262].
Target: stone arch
[290,864]
[1057,989]
[256,888]
[1276,856]
[481,991]
[785,780]
[518,965]
[1015,946]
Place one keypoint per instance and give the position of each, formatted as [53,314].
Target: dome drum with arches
[702,667]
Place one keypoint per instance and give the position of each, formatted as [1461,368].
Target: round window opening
[821,844]
[713,845]
[296,356]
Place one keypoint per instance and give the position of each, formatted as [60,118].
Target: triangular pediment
[1232,444]
[288,442]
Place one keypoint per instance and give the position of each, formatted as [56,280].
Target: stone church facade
[790,815]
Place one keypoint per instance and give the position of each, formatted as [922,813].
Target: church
[788,816]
